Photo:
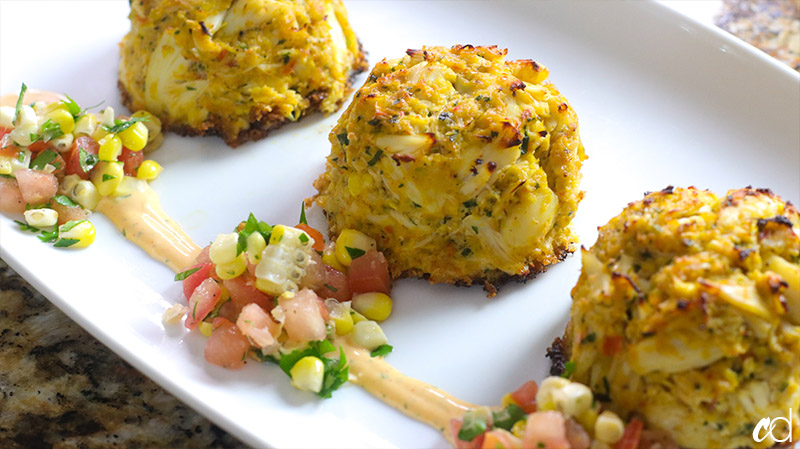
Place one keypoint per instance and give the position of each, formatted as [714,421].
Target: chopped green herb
[65,243]
[525,141]
[69,225]
[589,338]
[22,91]
[185,274]
[87,160]
[48,236]
[107,177]
[343,139]
[303,213]
[250,226]
[506,417]
[26,227]
[355,253]
[303,238]
[474,424]
[375,158]
[331,288]
[470,203]
[120,125]
[466,252]
[51,130]
[72,107]
[64,201]
[21,156]
[336,371]
[381,351]
[190,88]
[569,368]
[475,229]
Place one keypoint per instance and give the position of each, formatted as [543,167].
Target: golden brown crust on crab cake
[462,165]
[687,312]
[237,68]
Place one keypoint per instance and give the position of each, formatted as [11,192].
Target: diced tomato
[525,396]
[4,131]
[319,240]
[36,186]
[612,344]
[202,302]
[455,427]
[194,279]
[630,439]
[229,311]
[501,438]
[226,347]
[336,285]
[131,161]
[243,292]
[303,320]
[258,326]
[68,213]
[202,256]
[370,273]
[545,430]
[11,201]
[73,156]
[39,145]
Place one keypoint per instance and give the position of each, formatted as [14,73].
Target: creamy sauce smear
[414,398]
[137,213]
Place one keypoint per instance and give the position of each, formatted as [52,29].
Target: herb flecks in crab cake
[237,68]
[462,165]
[687,312]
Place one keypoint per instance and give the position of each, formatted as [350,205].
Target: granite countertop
[61,388]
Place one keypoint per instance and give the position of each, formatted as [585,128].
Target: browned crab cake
[687,312]
[462,165]
[237,68]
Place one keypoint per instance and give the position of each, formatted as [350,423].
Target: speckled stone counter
[61,388]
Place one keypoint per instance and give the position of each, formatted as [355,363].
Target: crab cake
[462,165]
[687,312]
[237,68]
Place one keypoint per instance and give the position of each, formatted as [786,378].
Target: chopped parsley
[331,287]
[303,238]
[122,125]
[590,338]
[470,203]
[506,417]
[87,160]
[569,368]
[466,252]
[44,158]
[250,226]
[22,91]
[107,177]
[474,424]
[343,139]
[65,243]
[375,158]
[355,253]
[64,201]
[525,141]
[381,351]
[303,219]
[185,274]
[51,130]
[336,370]
[72,107]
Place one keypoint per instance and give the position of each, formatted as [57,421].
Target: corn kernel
[6,116]
[107,176]
[63,119]
[149,170]
[340,314]
[573,399]
[255,246]
[5,165]
[232,269]
[609,428]
[351,242]
[368,335]
[99,133]
[307,374]
[544,397]
[329,258]
[134,137]
[588,418]
[83,232]
[85,194]
[86,125]
[375,306]
[153,125]
[518,429]
[41,218]
[223,250]
[508,400]
[110,147]
[284,261]
[357,317]
[27,124]
[62,144]
[205,328]
[21,160]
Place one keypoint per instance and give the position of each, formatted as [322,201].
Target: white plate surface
[661,99]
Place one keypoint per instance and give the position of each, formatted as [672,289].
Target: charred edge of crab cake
[495,279]
[558,353]
[262,120]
